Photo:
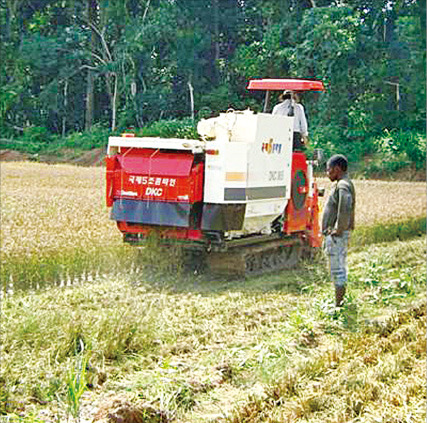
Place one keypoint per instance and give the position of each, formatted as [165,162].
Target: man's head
[287,95]
[336,167]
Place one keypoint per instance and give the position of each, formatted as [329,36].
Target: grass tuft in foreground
[194,350]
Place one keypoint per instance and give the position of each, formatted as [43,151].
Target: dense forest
[76,69]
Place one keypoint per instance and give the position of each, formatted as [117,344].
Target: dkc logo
[157,192]
[271,147]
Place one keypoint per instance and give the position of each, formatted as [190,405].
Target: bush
[36,135]
[397,150]
[332,141]
[33,140]
[174,128]
[95,138]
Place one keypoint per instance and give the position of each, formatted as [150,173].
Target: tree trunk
[89,100]
[92,8]
[422,6]
[191,89]
[64,116]
[114,103]
[216,29]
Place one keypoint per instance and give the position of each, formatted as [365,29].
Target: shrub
[95,138]
[395,146]
[36,134]
[174,128]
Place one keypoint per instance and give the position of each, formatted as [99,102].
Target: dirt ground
[96,156]
[93,157]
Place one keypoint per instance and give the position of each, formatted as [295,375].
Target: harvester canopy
[286,84]
[298,85]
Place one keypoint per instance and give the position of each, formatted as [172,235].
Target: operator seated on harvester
[289,107]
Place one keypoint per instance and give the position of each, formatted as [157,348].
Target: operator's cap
[287,92]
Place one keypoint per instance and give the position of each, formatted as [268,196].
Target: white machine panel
[249,161]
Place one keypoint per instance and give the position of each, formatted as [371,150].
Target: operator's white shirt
[300,122]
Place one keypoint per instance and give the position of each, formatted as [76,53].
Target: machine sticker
[129,193]
[214,167]
[255,193]
[276,175]
[271,147]
[157,192]
[146,180]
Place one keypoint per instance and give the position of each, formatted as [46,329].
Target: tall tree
[92,15]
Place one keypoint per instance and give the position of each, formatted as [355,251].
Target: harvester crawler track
[255,260]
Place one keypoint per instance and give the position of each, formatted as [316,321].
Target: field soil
[94,157]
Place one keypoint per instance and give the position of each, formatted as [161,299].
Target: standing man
[289,107]
[338,221]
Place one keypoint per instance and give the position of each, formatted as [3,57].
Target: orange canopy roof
[286,84]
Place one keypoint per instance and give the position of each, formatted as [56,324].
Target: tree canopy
[70,64]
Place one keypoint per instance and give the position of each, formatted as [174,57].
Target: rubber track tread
[255,260]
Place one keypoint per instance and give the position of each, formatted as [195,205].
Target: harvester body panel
[249,162]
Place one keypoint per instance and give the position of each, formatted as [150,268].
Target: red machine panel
[297,213]
[154,176]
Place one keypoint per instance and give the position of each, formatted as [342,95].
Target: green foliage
[95,138]
[388,232]
[173,128]
[36,134]
[144,58]
[76,386]
[406,145]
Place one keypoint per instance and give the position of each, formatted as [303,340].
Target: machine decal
[235,176]
[270,147]
[129,193]
[258,193]
[129,182]
[299,191]
[276,175]
[146,180]
[157,192]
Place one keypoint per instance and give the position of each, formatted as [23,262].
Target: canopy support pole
[267,101]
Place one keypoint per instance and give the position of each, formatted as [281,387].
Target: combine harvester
[240,199]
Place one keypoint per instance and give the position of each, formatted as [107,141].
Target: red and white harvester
[239,197]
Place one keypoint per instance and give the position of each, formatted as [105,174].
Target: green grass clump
[388,232]
[76,386]
[194,348]
[179,347]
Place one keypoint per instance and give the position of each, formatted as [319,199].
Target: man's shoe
[339,296]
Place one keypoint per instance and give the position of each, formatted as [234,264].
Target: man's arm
[303,122]
[345,203]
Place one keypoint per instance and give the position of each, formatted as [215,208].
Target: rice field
[384,202]
[56,227]
[269,349]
